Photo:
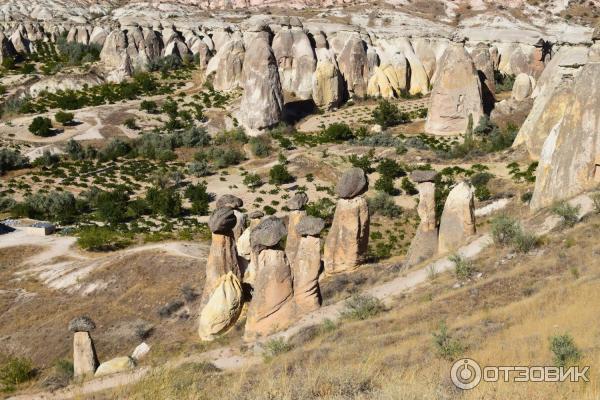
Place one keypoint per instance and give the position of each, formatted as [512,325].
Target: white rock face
[84,355]
[222,309]
[456,94]
[458,218]
[327,82]
[140,351]
[227,65]
[262,103]
[296,60]
[353,62]
[119,364]
[425,243]
[52,84]
[523,87]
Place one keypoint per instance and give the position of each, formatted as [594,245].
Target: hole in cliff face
[296,110]
[597,173]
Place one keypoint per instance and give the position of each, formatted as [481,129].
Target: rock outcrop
[235,203]
[457,223]
[482,59]
[425,243]
[456,94]
[353,63]
[327,81]
[85,360]
[348,238]
[272,305]
[227,65]
[296,61]
[296,205]
[570,158]
[523,87]
[244,248]
[262,102]
[116,365]
[306,268]
[222,309]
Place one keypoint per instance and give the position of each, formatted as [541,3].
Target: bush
[252,181]
[64,118]
[149,106]
[504,83]
[361,307]
[387,114]
[279,175]
[199,198]
[275,347]
[524,242]
[112,206]
[165,202]
[569,214]
[323,208]
[14,372]
[463,268]
[363,162]
[446,346]
[260,147]
[385,184]
[564,350]
[222,158]
[41,126]
[54,206]
[337,132]
[131,124]
[408,187]
[390,168]
[199,168]
[96,238]
[11,159]
[383,204]
[505,229]
[75,150]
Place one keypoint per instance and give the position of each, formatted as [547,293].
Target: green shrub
[130,123]
[385,184]
[337,132]
[165,202]
[505,229]
[504,82]
[260,146]
[275,347]
[363,162]
[199,168]
[524,242]
[565,352]
[64,118]
[387,114]
[569,214]
[14,372]
[361,307]
[11,159]
[408,187]
[96,238]
[75,150]
[383,204]
[463,268]
[252,181]
[446,346]
[322,208]
[279,175]
[595,199]
[149,106]
[41,126]
[269,210]
[199,197]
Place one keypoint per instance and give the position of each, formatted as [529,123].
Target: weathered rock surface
[222,308]
[116,365]
[348,238]
[268,233]
[327,82]
[296,61]
[482,59]
[458,218]
[229,200]
[456,94]
[420,175]
[272,306]
[222,221]
[227,65]
[425,243]
[310,226]
[298,201]
[353,183]
[305,269]
[523,87]
[353,63]
[570,158]
[262,102]
[293,238]
[84,355]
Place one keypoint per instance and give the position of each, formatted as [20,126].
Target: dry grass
[505,318]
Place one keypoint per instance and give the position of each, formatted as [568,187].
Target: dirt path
[228,358]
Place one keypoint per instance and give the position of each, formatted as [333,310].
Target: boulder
[268,233]
[272,305]
[262,102]
[310,226]
[140,351]
[84,355]
[421,175]
[222,308]
[457,223]
[511,112]
[570,158]
[523,87]
[82,324]
[222,221]
[116,365]
[298,201]
[256,215]
[296,61]
[353,182]
[293,238]
[229,200]
[456,94]
[348,239]
[305,270]
[425,243]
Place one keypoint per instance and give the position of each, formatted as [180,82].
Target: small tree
[564,349]
[149,106]
[252,181]
[199,198]
[337,132]
[279,175]
[387,114]
[41,126]
[64,118]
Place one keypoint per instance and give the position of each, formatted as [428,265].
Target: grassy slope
[504,318]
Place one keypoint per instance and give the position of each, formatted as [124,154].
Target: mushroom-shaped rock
[229,200]
[272,306]
[222,309]
[85,360]
[119,364]
[298,201]
[425,243]
[421,175]
[458,218]
[353,183]
[310,226]
[268,233]
[82,324]
[456,94]
[244,248]
[222,221]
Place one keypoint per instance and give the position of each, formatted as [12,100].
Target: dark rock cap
[82,324]
[310,226]
[222,221]
[268,233]
[256,214]
[353,183]
[420,175]
[229,200]
[298,201]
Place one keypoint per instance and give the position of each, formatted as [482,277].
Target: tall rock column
[85,360]
[262,102]
[484,64]
[327,81]
[458,218]
[456,94]
[296,205]
[348,239]
[307,265]
[425,243]
[244,248]
[222,256]
[272,305]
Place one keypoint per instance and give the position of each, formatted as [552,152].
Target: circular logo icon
[465,374]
